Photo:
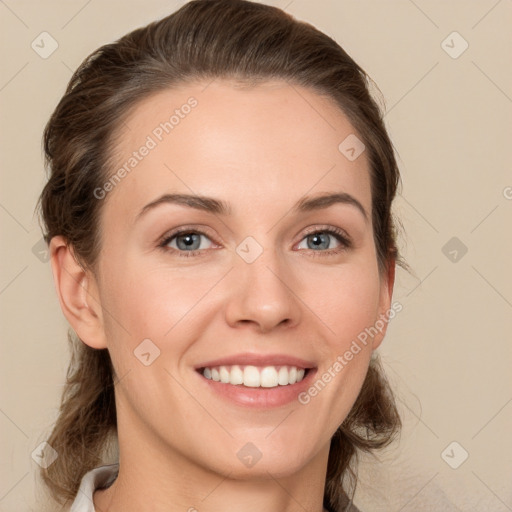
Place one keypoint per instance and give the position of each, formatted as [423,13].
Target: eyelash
[337,233]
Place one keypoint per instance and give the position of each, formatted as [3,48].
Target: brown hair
[204,39]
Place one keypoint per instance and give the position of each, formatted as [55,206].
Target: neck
[155,476]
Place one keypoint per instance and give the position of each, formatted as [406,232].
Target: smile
[255,376]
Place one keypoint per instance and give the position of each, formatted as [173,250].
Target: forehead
[251,145]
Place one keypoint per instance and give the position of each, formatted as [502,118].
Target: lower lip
[262,398]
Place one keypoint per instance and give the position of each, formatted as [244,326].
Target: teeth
[255,377]
[269,378]
[224,374]
[282,376]
[252,377]
[236,376]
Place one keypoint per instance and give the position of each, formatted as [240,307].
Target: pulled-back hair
[205,39]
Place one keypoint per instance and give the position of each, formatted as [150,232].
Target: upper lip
[258,360]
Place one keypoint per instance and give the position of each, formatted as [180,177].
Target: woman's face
[260,283]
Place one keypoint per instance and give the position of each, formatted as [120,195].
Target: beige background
[448,353]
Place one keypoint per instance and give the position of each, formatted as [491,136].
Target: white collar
[101,477]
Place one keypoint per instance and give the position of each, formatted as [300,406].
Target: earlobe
[77,294]
[386,296]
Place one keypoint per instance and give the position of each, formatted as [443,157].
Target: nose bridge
[262,288]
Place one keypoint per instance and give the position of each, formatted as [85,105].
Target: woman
[243,377]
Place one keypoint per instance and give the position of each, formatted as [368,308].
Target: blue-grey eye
[188,241]
[319,240]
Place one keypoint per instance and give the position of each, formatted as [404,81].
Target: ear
[78,294]
[386,294]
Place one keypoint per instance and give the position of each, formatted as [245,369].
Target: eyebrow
[219,207]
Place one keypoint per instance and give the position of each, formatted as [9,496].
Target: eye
[320,241]
[188,242]
[185,242]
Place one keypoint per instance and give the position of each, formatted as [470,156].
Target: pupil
[187,240]
[318,242]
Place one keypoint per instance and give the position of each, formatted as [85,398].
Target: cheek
[346,300]
[152,303]
[347,305]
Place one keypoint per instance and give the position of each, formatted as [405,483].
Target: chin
[249,462]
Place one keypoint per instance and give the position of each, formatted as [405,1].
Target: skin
[260,149]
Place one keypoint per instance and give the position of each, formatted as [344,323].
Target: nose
[262,294]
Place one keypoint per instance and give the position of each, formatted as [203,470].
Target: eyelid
[192,228]
[342,237]
[326,228]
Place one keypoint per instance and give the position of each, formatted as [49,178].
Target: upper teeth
[255,377]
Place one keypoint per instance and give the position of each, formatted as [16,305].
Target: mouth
[259,387]
[249,376]
[260,381]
